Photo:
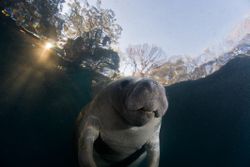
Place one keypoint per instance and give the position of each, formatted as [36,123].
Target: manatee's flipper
[76,135]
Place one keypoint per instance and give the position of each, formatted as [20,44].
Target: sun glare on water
[48,45]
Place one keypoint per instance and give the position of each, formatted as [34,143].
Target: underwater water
[38,105]
[207,124]
[208,120]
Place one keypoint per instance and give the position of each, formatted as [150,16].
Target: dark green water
[207,124]
[38,104]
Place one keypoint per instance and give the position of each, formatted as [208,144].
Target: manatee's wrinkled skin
[126,115]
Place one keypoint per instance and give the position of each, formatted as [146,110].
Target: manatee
[121,125]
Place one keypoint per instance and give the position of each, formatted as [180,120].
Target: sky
[179,27]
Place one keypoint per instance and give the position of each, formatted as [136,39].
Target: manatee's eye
[124,83]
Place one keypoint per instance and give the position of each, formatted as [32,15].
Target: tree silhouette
[39,16]
[96,25]
[144,58]
[86,30]
[89,31]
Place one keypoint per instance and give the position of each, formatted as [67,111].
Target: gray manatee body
[122,124]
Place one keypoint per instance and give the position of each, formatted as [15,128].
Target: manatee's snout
[145,98]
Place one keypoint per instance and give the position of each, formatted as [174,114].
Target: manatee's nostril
[149,84]
[141,109]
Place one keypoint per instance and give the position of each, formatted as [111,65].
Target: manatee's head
[142,100]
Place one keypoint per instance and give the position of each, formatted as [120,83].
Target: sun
[48,45]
